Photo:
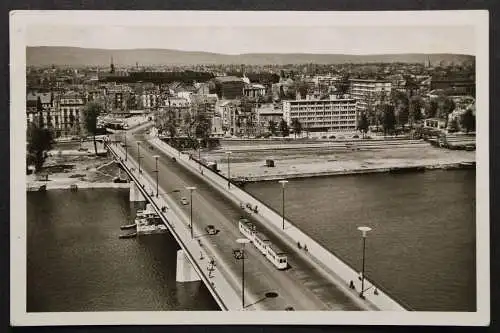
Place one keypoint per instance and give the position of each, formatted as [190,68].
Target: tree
[284,128]
[389,118]
[272,127]
[469,121]
[203,126]
[446,106]
[414,110]
[363,123]
[431,109]
[91,112]
[401,102]
[297,126]
[453,126]
[188,123]
[302,88]
[40,140]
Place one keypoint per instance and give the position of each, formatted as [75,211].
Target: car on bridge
[184,201]
[210,229]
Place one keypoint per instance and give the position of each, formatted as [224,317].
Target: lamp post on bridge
[228,153]
[199,153]
[126,151]
[199,150]
[191,189]
[364,230]
[157,172]
[242,241]
[139,156]
[283,183]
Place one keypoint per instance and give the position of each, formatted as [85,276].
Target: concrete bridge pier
[135,193]
[184,270]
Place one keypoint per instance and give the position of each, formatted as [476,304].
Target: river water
[76,262]
[422,246]
[421,249]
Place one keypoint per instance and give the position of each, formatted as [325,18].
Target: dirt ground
[65,164]
[252,163]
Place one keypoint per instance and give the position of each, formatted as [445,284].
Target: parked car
[210,229]
[184,201]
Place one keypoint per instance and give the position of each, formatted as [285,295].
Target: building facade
[369,92]
[71,114]
[267,113]
[328,115]
[229,87]
[254,90]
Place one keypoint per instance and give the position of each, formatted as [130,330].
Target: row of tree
[283,127]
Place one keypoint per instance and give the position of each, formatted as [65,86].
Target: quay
[36,186]
[367,170]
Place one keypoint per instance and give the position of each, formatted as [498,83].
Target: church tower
[112,67]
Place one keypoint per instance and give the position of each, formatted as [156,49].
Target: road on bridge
[301,286]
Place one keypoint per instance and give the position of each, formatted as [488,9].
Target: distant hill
[74,56]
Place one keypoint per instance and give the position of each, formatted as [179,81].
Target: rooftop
[223,79]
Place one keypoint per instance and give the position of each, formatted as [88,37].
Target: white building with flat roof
[367,92]
[325,115]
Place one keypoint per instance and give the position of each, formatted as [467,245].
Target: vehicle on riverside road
[184,201]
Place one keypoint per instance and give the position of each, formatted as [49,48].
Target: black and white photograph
[200,167]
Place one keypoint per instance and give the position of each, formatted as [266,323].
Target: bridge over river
[315,279]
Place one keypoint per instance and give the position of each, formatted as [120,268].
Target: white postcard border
[20,20]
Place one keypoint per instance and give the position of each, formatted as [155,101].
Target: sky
[262,39]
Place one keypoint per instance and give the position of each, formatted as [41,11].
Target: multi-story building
[148,100]
[70,118]
[41,109]
[254,90]
[463,86]
[228,111]
[63,114]
[267,113]
[327,115]
[229,87]
[117,97]
[369,92]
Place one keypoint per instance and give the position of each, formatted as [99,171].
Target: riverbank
[73,169]
[396,169]
[335,160]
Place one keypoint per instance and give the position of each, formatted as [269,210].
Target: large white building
[367,92]
[332,115]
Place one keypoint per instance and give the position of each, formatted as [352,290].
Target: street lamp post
[156,171]
[199,150]
[242,241]
[126,154]
[283,182]
[139,156]
[191,189]
[228,153]
[364,230]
